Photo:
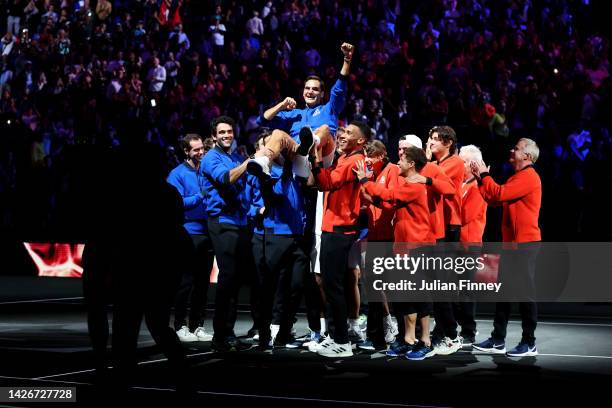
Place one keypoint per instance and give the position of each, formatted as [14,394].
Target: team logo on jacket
[382,180]
[316,112]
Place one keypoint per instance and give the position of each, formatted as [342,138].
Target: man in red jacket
[443,145]
[520,198]
[411,232]
[473,221]
[380,327]
[340,227]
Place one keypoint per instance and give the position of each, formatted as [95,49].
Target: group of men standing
[293,212]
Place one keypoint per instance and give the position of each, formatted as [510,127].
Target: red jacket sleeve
[516,187]
[335,177]
[402,193]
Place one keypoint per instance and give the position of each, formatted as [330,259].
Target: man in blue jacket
[225,182]
[283,217]
[188,179]
[297,129]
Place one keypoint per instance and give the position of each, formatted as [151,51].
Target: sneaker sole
[207,338]
[189,340]
[528,354]
[306,135]
[337,355]
[490,351]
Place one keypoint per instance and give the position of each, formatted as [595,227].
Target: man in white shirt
[156,76]
[254,25]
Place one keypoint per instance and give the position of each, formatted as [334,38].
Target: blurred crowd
[79,75]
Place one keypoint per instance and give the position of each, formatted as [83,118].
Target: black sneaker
[306,141]
[229,344]
[237,345]
[221,346]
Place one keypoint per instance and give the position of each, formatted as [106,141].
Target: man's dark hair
[209,143]
[316,78]
[446,134]
[417,156]
[265,132]
[187,139]
[221,119]
[365,130]
[375,147]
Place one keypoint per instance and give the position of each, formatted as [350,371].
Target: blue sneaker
[420,352]
[491,346]
[399,348]
[523,350]
[370,346]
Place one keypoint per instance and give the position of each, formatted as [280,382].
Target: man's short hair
[187,139]
[365,130]
[446,134]
[209,143]
[217,121]
[470,152]
[316,78]
[531,149]
[265,132]
[417,156]
[375,148]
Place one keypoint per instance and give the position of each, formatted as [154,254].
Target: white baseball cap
[413,140]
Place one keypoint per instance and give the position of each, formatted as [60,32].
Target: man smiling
[340,227]
[226,207]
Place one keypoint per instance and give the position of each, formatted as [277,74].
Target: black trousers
[304,284]
[193,289]
[284,259]
[375,328]
[521,262]
[231,246]
[335,249]
[446,324]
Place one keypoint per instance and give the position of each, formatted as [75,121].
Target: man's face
[517,154]
[224,136]
[312,92]
[404,165]
[374,161]
[437,145]
[350,139]
[196,151]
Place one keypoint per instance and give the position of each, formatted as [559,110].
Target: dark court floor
[48,345]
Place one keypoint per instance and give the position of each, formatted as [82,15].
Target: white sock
[274,329]
[323,325]
[263,160]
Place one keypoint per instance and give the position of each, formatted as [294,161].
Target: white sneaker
[315,347]
[335,350]
[202,334]
[185,335]
[447,346]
